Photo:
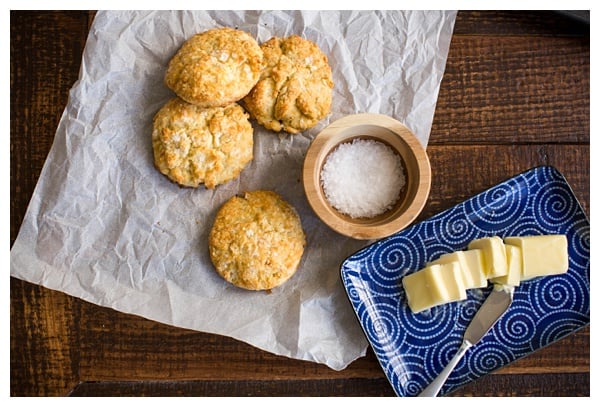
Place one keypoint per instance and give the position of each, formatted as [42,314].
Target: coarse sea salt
[362,178]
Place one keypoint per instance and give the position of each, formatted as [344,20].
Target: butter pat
[494,255]
[514,263]
[434,285]
[471,265]
[542,255]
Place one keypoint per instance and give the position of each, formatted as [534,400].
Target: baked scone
[256,241]
[194,145]
[294,90]
[215,67]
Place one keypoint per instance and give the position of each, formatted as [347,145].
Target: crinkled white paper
[104,225]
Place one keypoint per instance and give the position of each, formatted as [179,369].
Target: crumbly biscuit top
[215,67]
[256,241]
[194,145]
[294,90]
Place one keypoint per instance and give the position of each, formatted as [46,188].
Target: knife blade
[495,305]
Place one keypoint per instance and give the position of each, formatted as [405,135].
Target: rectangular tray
[413,348]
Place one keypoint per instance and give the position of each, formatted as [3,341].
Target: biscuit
[294,91]
[215,67]
[256,241]
[194,145]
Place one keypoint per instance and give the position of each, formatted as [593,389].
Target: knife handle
[436,385]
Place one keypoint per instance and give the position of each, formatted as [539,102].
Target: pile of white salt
[362,178]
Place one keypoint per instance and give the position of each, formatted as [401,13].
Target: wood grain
[479,167]
[540,93]
[43,340]
[515,95]
[493,385]
[46,50]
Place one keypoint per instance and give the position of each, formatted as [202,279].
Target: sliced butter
[471,265]
[494,255]
[514,265]
[542,255]
[434,285]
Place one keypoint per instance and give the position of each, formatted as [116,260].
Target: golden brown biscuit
[294,91]
[256,241]
[194,145]
[215,67]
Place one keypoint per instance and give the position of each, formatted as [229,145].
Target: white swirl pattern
[516,329]
[414,348]
[497,207]
[487,359]
[457,228]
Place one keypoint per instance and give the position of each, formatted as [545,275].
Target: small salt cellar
[366,176]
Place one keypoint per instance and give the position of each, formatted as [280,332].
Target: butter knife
[490,312]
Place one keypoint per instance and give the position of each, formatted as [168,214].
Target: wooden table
[515,95]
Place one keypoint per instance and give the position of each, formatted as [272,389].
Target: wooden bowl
[415,163]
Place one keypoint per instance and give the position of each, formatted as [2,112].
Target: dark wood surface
[515,94]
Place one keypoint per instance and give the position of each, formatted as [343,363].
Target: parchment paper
[105,226]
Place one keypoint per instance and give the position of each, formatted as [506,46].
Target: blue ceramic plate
[413,348]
